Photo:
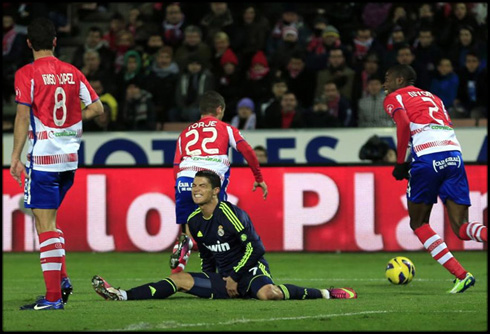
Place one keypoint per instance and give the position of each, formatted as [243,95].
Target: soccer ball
[400,270]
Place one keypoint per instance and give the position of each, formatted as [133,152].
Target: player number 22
[205,142]
[59,104]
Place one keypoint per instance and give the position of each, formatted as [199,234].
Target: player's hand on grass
[261,185]
[231,287]
[16,170]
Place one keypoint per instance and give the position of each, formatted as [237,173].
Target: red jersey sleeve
[23,86]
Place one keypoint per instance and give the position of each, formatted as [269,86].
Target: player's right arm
[21,129]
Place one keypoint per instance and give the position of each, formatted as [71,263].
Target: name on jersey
[202,124]
[219,247]
[63,79]
[420,93]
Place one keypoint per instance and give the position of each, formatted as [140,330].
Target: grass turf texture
[422,305]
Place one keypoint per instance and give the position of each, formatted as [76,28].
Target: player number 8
[59,104]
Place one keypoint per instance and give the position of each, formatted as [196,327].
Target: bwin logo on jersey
[219,247]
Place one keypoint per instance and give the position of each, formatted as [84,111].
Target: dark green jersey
[227,241]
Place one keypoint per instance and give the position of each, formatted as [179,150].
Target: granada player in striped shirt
[204,145]
[437,168]
[48,95]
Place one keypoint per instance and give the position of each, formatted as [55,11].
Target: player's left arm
[249,154]
[21,129]
[93,110]
[252,246]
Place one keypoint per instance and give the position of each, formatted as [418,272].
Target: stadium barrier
[315,209]
[322,146]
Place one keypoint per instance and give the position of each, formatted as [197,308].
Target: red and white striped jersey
[430,126]
[204,145]
[53,90]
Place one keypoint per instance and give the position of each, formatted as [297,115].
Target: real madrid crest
[221,231]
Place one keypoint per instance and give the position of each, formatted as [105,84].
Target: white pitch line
[173,324]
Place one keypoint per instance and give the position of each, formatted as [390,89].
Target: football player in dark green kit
[233,263]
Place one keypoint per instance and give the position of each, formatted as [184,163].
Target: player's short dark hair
[261,148]
[41,33]
[404,71]
[212,177]
[210,101]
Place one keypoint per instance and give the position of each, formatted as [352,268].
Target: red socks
[473,231]
[52,251]
[439,251]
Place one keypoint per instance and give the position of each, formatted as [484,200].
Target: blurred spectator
[258,78]
[460,16]
[319,44]
[466,100]
[261,153]
[218,19]
[278,88]
[173,25]
[221,43]
[300,79]
[291,19]
[229,82]
[427,54]
[465,43]
[161,82]
[131,71]
[105,97]
[370,112]
[138,114]
[395,42]
[401,17]
[375,13]
[360,86]
[101,123]
[363,44]
[331,109]
[285,48]
[337,71]
[289,116]
[378,151]
[124,43]
[481,110]
[192,83]
[245,118]
[192,44]
[15,53]
[405,56]
[92,68]
[153,44]
[426,21]
[445,83]
[93,41]
[133,22]
[250,35]
[117,25]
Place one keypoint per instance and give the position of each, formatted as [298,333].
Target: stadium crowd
[278,65]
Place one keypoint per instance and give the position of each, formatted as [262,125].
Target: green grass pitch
[422,305]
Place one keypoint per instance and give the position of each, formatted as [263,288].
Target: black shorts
[248,286]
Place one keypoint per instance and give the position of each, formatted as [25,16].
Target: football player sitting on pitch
[227,241]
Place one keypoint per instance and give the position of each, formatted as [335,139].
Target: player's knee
[184,281]
[269,292]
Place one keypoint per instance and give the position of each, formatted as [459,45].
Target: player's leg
[258,284]
[455,194]
[42,196]
[198,284]
[66,181]
[184,206]
[423,189]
